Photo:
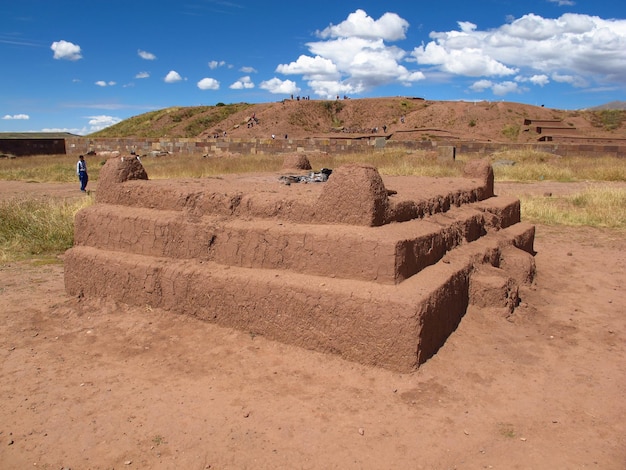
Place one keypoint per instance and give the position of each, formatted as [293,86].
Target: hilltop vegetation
[173,122]
[405,118]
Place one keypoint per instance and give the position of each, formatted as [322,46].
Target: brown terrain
[423,120]
[397,118]
[95,382]
[99,384]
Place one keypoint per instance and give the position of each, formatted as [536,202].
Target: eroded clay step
[393,326]
[387,254]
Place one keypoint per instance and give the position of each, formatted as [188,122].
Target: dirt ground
[91,384]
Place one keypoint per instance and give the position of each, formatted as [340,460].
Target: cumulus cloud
[16,116]
[353,57]
[575,81]
[497,88]
[146,55]
[209,84]
[539,80]
[389,27]
[65,50]
[506,87]
[278,86]
[142,75]
[248,70]
[574,48]
[216,63]
[310,67]
[102,83]
[97,123]
[242,83]
[172,77]
[467,61]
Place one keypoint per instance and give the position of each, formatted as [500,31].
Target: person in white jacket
[81,171]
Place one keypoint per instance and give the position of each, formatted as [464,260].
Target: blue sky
[79,66]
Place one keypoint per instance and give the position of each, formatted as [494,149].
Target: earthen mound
[119,169]
[355,194]
[344,266]
[296,162]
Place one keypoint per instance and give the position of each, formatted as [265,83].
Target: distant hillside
[402,118]
[172,122]
[611,105]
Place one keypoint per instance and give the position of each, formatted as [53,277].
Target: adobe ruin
[378,270]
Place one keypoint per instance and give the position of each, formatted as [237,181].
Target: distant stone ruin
[378,270]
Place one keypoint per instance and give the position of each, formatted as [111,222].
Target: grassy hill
[404,117]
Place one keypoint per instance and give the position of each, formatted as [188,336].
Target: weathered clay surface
[341,267]
[296,161]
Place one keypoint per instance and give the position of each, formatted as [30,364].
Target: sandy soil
[89,384]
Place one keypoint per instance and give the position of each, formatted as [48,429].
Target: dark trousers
[83,178]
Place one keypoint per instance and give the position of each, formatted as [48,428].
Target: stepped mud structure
[377,270]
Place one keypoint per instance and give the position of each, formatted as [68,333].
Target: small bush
[511,131]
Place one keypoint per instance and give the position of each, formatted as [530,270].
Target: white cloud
[575,81]
[575,49]
[66,50]
[248,70]
[353,56]
[470,62]
[208,84]
[243,82]
[503,88]
[540,80]
[16,116]
[497,88]
[146,55]
[215,64]
[102,83]
[278,86]
[97,123]
[358,24]
[76,131]
[172,77]
[329,89]
[310,67]
[481,85]
[142,75]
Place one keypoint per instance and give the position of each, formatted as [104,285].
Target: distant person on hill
[81,171]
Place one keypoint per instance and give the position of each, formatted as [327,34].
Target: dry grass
[388,163]
[37,227]
[540,166]
[594,207]
[528,166]
[195,166]
[41,168]
[31,228]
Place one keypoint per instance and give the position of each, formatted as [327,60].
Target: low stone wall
[329,145]
[23,147]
